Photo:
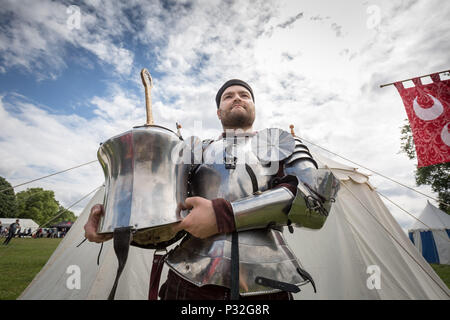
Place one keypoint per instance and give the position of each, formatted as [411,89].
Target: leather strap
[122,240]
[252,177]
[306,276]
[284,286]
[234,266]
[157,266]
[99,253]
[235,244]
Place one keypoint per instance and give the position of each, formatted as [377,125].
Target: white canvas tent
[25,224]
[431,234]
[360,244]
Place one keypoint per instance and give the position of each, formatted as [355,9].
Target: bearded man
[234,246]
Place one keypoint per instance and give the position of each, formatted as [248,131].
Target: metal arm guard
[309,208]
[262,209]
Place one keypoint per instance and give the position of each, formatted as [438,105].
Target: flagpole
[388,84]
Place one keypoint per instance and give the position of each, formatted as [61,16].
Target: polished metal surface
[301,152]
[273,144]
[328,187]
[263,252]
[143,184]
[316,191]
[268,208]
[212,180]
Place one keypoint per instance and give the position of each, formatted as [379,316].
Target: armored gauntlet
[309,207]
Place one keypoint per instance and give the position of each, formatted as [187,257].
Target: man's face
[236,109]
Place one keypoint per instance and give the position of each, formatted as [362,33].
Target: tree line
[34,203]
[437,175]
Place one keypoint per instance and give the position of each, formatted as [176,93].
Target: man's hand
[201,221]
[90,228]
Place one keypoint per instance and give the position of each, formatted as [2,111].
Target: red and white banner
[428,110]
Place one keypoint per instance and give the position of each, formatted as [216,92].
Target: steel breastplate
[262,252]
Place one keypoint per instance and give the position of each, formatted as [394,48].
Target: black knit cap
[229,83]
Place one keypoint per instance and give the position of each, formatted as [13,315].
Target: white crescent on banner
[429,113]
[445,136]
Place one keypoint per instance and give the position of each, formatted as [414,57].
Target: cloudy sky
[69,78]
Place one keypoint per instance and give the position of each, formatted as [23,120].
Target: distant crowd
[39,233]
[15,230]
[50,233]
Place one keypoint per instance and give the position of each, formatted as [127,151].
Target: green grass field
[20,261]
[443,270]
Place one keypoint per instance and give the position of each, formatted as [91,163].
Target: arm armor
[309,208]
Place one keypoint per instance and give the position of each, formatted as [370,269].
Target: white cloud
[37,37]
[36,142]
[302,74]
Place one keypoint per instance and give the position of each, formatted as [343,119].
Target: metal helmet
[144,185]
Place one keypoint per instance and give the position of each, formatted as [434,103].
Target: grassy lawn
[20,261]
[443,270]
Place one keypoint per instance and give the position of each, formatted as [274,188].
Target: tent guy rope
[393,237]
[53,174]
[57,214]
[373,171]
[406,211]
[377,173]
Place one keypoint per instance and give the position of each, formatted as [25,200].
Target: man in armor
[239,202]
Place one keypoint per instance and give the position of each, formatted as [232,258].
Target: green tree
[66,215]
[8,207]
[41,206]
[436,175]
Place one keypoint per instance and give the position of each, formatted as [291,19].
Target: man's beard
[238,120]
